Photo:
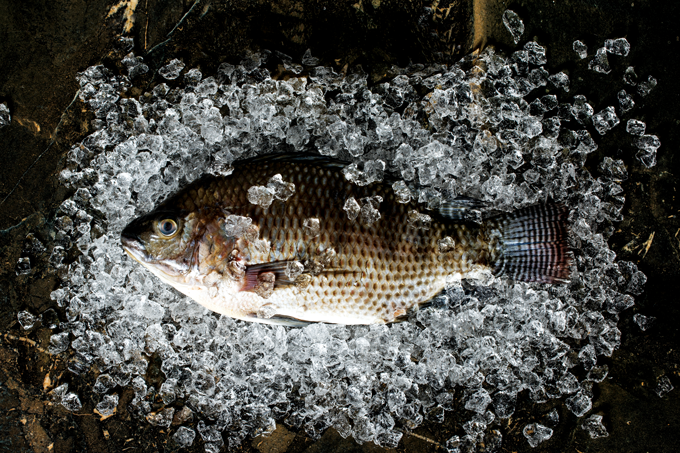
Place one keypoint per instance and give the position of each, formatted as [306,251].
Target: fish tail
[532,244]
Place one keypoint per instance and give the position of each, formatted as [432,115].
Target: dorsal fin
[318,159]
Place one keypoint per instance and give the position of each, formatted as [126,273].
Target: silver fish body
[327,250]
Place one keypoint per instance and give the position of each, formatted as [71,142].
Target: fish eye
[167,228]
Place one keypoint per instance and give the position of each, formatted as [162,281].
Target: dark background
[44,44]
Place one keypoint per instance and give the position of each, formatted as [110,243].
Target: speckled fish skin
[377,273]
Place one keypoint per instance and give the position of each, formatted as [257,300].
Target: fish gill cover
[475,128]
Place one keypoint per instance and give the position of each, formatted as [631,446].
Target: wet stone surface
[636,398]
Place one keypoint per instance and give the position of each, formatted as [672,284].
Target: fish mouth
[133,246]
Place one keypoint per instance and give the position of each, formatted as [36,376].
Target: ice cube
[478,401]
[59,343]
[312,227]
[372,171]
[107,406]
[282,190]
[418,221]
[594,427]
[629,76]
[635,127]
[536,53]
[135,65]
[536,434]
[581,49]
[294,269]
[352,208]
[514,24]
[5,117]
[644,88]
[643,322]
[308,59]
[26,319]
[618,46]
[184,437]
[401,192]
[581,110]
[161,418]
[104,383]
[369,209]
[192,77]
[261,195]
[579,404]
[560,80]
[663,386]
[648,143]
[446,245]
[598,373]
[600,63]
[171,70]
[605,120]
[71,402]
[625,101]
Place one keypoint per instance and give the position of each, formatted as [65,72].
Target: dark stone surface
[44,44]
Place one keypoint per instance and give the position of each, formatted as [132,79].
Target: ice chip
[369,209]
[184,437]
[536,53]
[401,192]
[579,404]
[418,221]
[135,65]
[618,46]
[26,319]
[625,101]
[192,77]
[663,386]
[104,383]
[644,88]
[581,49]
[352,208]
[446,245]
[599,63]
[312,227]
[107,406]
[560,80]
[605,120]
[282,190]
[643,322]
[5,117]
[58,343]
[372,171]
[478,401]
[236,225]
[308,59]
[261,196]
[536,434]
[71,402]
[594,427]
[514,24]
[635,127]
[581,110]
[598,373]
[171,70]
[294,269]
[162,418]
[629,76]
[648,143]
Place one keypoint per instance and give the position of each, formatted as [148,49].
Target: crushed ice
[472,134]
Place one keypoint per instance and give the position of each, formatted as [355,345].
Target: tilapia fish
[319,248]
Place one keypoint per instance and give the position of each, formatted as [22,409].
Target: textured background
[44,44]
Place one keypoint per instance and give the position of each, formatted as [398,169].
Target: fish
[290,240]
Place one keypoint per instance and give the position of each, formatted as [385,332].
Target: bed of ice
[476,128]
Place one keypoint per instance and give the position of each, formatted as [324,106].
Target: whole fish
[319,248]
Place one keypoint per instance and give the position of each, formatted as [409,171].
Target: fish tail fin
[531,244]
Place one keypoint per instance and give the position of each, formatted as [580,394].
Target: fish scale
[379,272]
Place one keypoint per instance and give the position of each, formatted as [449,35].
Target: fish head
[163,241]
